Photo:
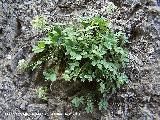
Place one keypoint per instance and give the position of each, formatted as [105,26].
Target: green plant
[89,106]
[77,101]
[39,22]
[88,51]
[111,7]
[22,64]
[42,92]
[50,75]
[102,104]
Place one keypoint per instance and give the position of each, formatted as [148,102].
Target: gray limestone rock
[139,99]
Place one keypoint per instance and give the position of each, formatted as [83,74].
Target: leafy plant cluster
[42,93]
[87,51]
[39,22]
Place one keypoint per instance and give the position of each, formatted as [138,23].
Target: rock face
[140,19]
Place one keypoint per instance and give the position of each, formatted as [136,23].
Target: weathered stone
[23,105]
[37,108]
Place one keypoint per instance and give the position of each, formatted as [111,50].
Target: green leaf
[41,92]
[119,50]
[84,53]
[22,64]
[58,29]
[47,41]
[66,77]
[35,65]
[77,101]
[102,87]
[82,79]
[41,44]
[111,7]
[78,57]
[39,22]
[37,49]
[99,66]
[94,63]
[108,45]
[89,107]
[53,77]
[75,56]
[90,28]
[103,104]
[122,79]
[87,76]
[50,75]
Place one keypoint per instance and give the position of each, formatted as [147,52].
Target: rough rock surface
[140,19]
